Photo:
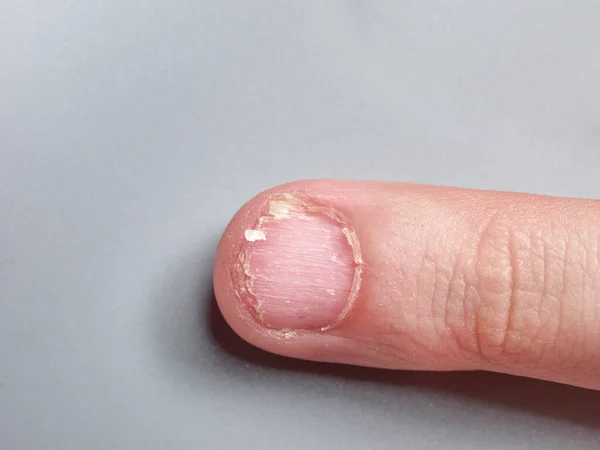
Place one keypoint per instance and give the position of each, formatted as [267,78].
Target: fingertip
[313,291]
[314,283]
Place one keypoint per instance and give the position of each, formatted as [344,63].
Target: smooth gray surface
[131,131]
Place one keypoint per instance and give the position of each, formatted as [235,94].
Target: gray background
[131,131]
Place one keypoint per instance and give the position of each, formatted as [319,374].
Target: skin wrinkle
[379,351]
[545,278]
[536,257]
[397,353]
[459,290]
[587,293]
[499,318]
[455,288]
[512,301]
[525,291]
[535,291]
[380,347]
[403,323]
[545,297]
[584,269]
[589,308]
[447,301]
[591,274]
[575,265]
[438,270]
[427,288]
[555,294]
[562,303]
[595,298]
[443,269]
[388,338]
[481,244]
[424,284]
[438,281]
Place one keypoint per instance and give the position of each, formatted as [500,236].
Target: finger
[417,277]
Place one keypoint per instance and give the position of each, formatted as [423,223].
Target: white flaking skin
[255,235]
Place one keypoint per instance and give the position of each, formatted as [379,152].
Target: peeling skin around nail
[281,207]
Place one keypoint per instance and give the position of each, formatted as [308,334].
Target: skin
[452,279]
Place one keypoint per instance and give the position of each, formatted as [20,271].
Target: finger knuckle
[515,310]
[535,293]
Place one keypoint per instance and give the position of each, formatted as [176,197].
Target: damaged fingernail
[300,267]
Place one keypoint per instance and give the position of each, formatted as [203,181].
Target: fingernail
[300,267]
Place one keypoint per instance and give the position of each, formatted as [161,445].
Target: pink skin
[448,279]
